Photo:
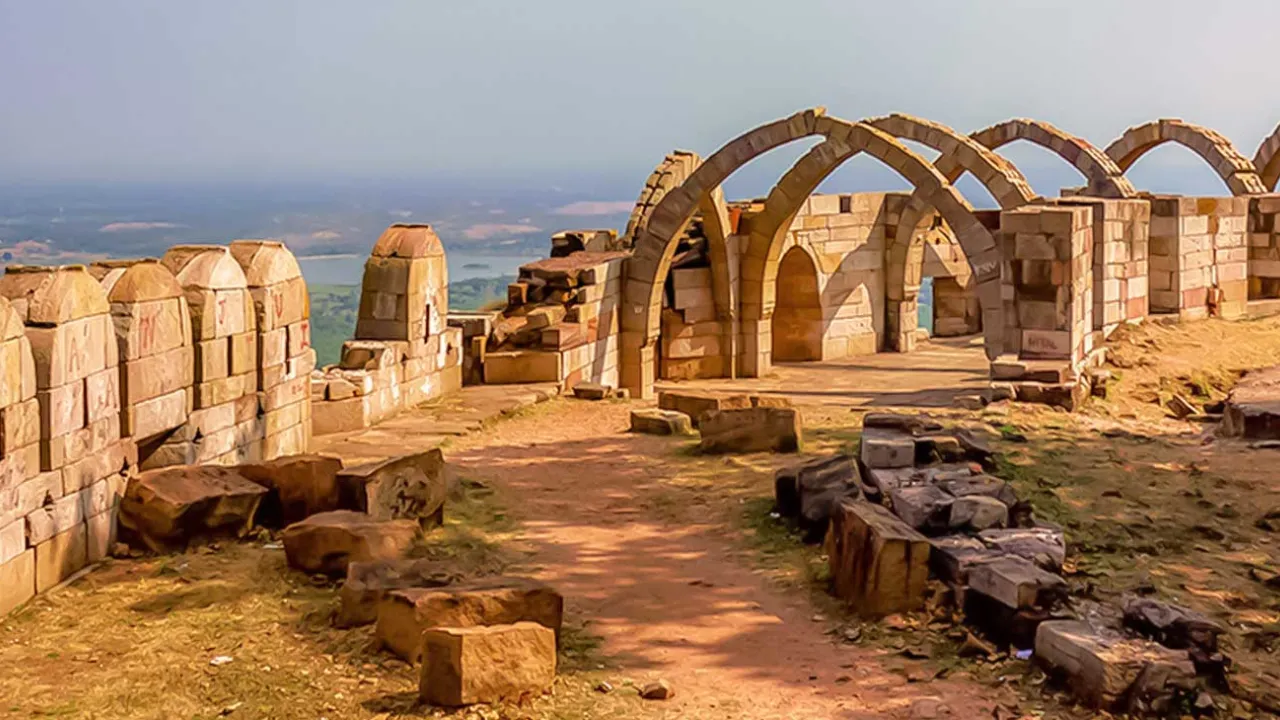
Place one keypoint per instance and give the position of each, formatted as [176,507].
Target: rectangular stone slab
[1101,670]
[404,614]
[880,565]
[409,486]
[464,666]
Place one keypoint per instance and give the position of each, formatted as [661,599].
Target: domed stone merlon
[74,362]
[465,666]
[152,328]
[404,614]
[224,418]
[410,486]
[404,293]
[285,356]
[170,508]
[329,542]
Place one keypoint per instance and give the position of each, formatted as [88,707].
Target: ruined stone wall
[404,353]
[561,323]
[1199,256]
[1121,236]
[956,310]
[1264,247]
[692,336]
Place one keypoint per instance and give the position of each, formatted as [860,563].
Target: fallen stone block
[486,664]
[910,424]
[966,485]
[410,486]
[977,446]
[807,494]
[953,556]
[1017,584]
[1044,546]
[653,421]
[1111,673]
[1171,625]
[744,430]
[978,512]
[938,447]
[368,582]
[404,614]
[770,401]
[169,508]
[329,542]
[592,391]
[1253,408]
[298,486]
[923,507]
[879,564]
[695,405]
[882,448]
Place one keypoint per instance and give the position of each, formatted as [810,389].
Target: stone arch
[654,242]
[1105,178]
[797,329]
[225,426]
[1267,160]
[669,175]
[905,257]
[285,360]
[787,197]
[1236,170]
[153,338]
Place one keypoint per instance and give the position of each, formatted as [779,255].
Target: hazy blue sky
[173,89]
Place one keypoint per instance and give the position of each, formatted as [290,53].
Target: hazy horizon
[284,92]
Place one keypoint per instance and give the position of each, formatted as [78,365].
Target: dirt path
[678,601]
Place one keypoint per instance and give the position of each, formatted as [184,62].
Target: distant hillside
[334,308]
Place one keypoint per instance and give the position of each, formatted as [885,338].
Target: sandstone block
[463,666]
[403,615]
[17,581]
[157,415]
[660,422]
[368,583]
[760,429]
[1017,584]
[409,486]
[157,375]
[695,405]
[879,564]
[1044,546]
[169,508]
[60,557]
[329,542]
[883,448]
[298,487]
[808,493]
[1104,671]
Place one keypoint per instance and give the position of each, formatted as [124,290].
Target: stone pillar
[83,461]
[153,338]
[1199,256]
[1052,281]
[637,364]
[1264,247]
[757,347]
[224,426]
[282,312]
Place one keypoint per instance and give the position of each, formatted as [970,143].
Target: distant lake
[349,269]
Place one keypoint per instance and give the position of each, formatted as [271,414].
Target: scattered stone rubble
[726,423]
[918,503]
[1253,408]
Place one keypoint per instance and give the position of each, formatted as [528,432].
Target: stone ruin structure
[711,288]
[403,352]
[202,357]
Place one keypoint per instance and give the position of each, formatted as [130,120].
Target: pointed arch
[654,241]
[1267,160]
[1235,169]
[905,255]
[1105,178]
[768,229]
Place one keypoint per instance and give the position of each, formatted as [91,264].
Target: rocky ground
[673,569]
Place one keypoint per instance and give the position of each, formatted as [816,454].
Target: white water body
[348,269]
